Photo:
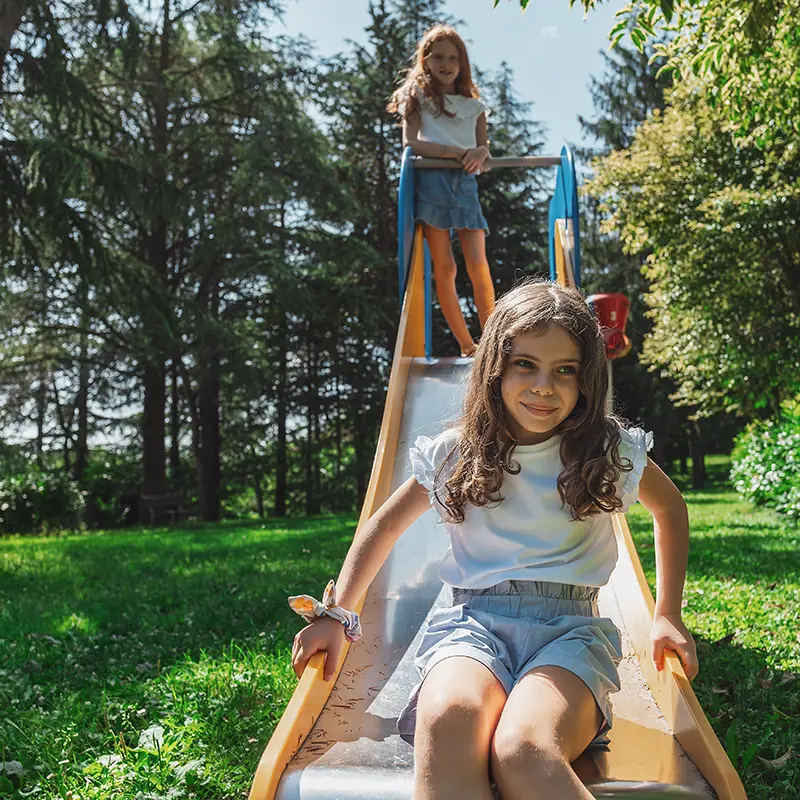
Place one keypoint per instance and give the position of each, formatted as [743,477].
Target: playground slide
[338,739]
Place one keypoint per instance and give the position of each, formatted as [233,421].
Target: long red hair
[405,100]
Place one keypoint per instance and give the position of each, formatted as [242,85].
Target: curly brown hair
[590,434]
[405,99]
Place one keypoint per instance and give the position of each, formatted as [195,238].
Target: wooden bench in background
[163,506]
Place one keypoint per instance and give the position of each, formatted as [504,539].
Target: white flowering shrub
[766,463]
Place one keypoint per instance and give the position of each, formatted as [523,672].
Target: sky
[552,50]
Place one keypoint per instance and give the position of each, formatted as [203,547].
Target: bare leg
[459,705]
[536,749]
[473,243]
[444,268]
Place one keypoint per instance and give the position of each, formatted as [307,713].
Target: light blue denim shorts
[517,626]
[448,199]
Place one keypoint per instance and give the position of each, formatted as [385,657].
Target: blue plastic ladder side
[405,220]
[428,305]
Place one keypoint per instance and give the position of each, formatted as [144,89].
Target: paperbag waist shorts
[516,626]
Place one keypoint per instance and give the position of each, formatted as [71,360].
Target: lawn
[148,664]
[742,604]
[154,664]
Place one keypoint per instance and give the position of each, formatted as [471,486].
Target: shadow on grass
[748,704]
[741,556]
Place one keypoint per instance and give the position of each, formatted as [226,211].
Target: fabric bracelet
[310,609]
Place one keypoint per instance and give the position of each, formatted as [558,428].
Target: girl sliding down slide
[515,675]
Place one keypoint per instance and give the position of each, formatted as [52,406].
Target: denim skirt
[516,626]
[448,199]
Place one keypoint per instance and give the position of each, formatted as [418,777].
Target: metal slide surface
[353,751]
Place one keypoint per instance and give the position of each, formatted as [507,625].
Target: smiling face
[540,383]
[443,63]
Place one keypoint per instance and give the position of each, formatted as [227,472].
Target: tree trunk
[41,409]
[82,443]
[280,411]
[209,467]
[312,501]
[259,490]
[208,411]
[337,421]
[282,389]
[10,18]
[174,427]
[316,472]
[683,452]
[309,462]
[65,424]
[698,459]
[82,403]
[154,479]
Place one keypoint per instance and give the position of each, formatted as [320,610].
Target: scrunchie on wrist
[310,609]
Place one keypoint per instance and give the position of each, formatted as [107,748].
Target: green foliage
[723,266]
[159,222]
[111,484]
[13,458]
[766,463]
[623,98]
[35,501]
[745,56]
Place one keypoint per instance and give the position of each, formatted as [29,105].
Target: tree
[368,144]
[627,94]
[724,266]
[202,121]
[631,89]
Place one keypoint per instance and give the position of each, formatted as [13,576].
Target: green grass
[742,605]
[106,636]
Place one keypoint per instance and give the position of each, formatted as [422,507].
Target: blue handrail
[405,219]
[405,240]
[564,205]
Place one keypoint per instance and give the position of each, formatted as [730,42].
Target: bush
[35,501]
[766,463]
[111,484]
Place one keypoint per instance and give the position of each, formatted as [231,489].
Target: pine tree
[629,92]
[368,142]
[202,140]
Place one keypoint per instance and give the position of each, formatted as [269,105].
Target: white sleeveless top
[528,535]
[455,131]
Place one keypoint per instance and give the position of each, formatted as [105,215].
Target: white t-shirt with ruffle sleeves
[458,130]
[529,535]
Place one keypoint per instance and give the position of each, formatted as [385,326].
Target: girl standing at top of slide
[515,675]
[443,117]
